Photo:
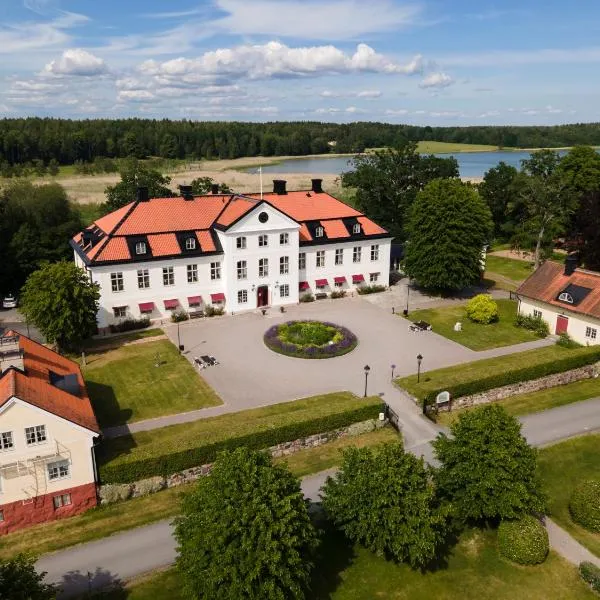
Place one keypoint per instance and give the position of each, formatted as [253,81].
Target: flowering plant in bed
[310,339]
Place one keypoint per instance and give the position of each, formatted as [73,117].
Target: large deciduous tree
[62,302]
[383,499]
[448,227]
[20,581]
[499,191]
[245,532]
[387,183]
[488,471]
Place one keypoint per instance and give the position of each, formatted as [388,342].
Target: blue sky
[434,62]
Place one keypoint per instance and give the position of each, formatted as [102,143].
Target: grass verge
[510,268]
[562,467]
[114,341]
[475,336]
[524,404]
[125,385]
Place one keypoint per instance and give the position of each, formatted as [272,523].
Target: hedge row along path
[151,547]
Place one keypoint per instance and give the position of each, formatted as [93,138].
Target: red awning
[146,307]
[357,278]
[339,279]
[194,300]
[170,304]
[321,282]
[220,297]
[304,285]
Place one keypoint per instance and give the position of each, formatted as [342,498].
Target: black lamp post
[179,346]
[367,369]
[393,367]
[419,359]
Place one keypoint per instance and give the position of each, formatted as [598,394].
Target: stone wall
[116,492]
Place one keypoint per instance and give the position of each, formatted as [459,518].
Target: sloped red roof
[234,210]
[108,222]
[335,228]
[549,280]
[164,244]
[34,385]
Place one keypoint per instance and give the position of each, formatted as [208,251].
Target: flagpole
[261,186]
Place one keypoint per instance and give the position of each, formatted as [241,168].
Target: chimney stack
[571,264]
[279,186]
[141,194]
[214,188]
[186,192]
[316,186]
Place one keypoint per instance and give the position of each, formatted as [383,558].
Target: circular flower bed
[310,339]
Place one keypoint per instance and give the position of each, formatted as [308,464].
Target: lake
[470,164]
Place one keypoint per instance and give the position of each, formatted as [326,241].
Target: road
[137,551]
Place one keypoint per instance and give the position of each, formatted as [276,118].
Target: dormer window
[319,232]
[190,243]
[140,248]
[356,228]
[566,297]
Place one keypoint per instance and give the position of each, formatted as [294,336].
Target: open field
[125,385]
[473,571]
[475,335]
[524,404]
[511,268]
[452,147]
[562,467]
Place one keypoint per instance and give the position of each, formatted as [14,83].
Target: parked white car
[9,301]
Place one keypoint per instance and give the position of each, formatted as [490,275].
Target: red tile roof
[335,229]
[234,210]
[115,249]
[206,242]
[370,228]
[549,280]
[164,244]
[111,220]
[34,385]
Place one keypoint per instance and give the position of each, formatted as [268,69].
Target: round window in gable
[263,217]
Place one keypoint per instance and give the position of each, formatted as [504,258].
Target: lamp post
[178,339]
[393,367]
[367,369]
[407,297]
[419,359]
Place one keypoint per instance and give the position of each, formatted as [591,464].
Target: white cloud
[369,94]
[355,110]
[552,110]
[35,86]
[396,112]
[76,61]
[511,58]
[135,96]
[436,80]
[351,94]
[489,113]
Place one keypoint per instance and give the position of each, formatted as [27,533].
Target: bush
[566,341]
[205,453]
[214,311]
[130,324]
[584,505]
[307,298]
[370,289]
[177,316]
[482,309]
[590,573]
[338,294]
[145,487]
[524,541]
[114,493]
[535,324]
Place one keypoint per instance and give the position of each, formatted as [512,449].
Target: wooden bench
[196,314]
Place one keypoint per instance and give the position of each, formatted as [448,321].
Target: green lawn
[440,378]
[515,270]
[474,572]
[442,147]
[158,442]
[562,467]
[524,404]
[474,335]
[116,341]
[125,385]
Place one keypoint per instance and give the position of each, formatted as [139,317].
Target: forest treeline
[67,141]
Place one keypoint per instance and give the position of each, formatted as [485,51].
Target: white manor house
[238,251]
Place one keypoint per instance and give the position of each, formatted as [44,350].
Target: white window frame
[242,269]
[356,228]
[357,254]
[263,267]
[263,241]
[319,231]
[58,501]
[374,277]
[284,265]
[143,277]
[1,516]
[537,314]
[302,261]
[591,333]
[168,276]
[116,282]
[284,239]
[566,297]
[242,296]
[215,271]
[240,242]
[320,258]
[339,256]
[284,290]
[58,469]
[374,252]
[192,273]
[7,441]
[117,310]
[141,248]
[190,243]
[37,434]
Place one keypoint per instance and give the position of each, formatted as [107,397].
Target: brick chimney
[141,194]
[571,264]
[317,186]
[279,186]
[186,192]
[214,188]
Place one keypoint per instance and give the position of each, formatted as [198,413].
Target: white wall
[577,323]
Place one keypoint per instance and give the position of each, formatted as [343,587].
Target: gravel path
[567,546]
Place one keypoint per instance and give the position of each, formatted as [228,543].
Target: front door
[562,324]
[262,296]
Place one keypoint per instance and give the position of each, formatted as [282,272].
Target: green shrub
[535,324]
[584,505]
[566,341]
[307,298]
[214,311]
[482,309]
[370,289]
[177,316]
[590,573]
[338,294]
[524,541]
[205,453]
[130,325]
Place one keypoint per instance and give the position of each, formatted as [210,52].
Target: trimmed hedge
[524,541]
[584,505]
[590,573]
[206,453]
[557,365]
